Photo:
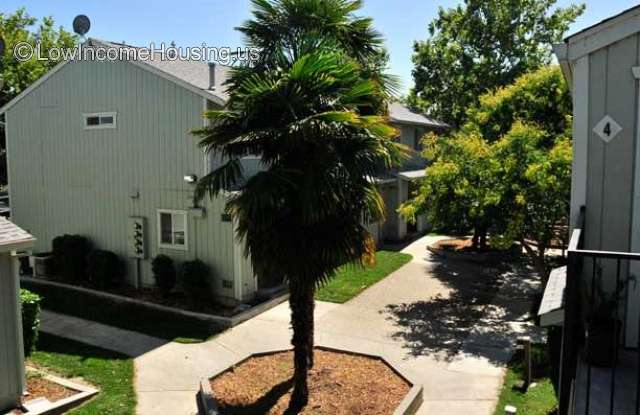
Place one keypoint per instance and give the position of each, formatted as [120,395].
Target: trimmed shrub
[195,281]
[164,273]
[103,269]
[70,256]
[30,305]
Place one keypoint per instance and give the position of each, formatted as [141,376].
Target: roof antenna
[81,25]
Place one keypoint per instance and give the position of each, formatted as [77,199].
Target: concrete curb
[225,322]
[207,404]
[64,405]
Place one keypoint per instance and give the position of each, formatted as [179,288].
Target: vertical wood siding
[612,91]
[64,179]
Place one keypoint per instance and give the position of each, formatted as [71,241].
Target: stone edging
[409,405]
[63,405]
[225,322]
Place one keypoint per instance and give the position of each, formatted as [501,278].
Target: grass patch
[126,316]
[111,372]
[350,280]
[539,400]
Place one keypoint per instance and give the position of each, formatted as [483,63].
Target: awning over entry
[412,174]
[551,311]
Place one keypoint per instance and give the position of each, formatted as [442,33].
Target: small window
[416,139]
[172,229]
[100,120]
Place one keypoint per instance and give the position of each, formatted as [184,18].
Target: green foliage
[19,27]
[195,281]
[312,108]
[70,256]
[30,305]
[111,372]
[351,279]
[480,46]
[508,169]
[164,273]
[103,269]
[308,110]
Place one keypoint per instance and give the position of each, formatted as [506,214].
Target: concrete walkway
[450,326]
[441,321]
[127,342]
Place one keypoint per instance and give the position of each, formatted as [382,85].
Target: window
[416,139]
[99,120]
[172,229]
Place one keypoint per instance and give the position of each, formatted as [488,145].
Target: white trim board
[604,33]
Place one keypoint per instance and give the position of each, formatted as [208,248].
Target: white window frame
[101,115]
[173,212]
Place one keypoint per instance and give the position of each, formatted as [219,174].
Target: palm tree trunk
[301,301]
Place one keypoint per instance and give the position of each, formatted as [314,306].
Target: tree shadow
[472,319]
[264,403]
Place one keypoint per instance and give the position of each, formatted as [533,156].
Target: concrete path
[127,342]
[450,326]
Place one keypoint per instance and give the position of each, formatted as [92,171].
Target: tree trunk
[475,241]
[302,303]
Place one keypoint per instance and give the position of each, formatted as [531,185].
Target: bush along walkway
[110,372]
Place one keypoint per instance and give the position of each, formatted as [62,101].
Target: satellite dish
[81,24]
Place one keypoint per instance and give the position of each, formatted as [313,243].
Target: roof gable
[191,75]
[602,34]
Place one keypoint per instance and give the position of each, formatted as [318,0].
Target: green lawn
[350,280]
[538,400]
[111,372]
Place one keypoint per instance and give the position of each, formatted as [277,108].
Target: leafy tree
[480,46]
[507,171]
[20,27]
[16,76]
[309,108]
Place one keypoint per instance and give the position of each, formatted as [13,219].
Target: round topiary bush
[164,273]
[195,281]
[70,256]
[103,269]
[30,304]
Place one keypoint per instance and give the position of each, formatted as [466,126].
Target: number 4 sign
[607,129]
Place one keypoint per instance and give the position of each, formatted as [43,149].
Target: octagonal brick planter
[207,404]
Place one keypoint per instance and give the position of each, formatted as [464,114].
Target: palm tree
[309,108]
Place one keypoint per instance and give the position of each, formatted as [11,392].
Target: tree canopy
[20,27]
[507,171]
[482,45]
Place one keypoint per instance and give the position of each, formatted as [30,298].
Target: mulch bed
[39,387]
[339,384]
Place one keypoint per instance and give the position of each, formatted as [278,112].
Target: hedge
[30,319]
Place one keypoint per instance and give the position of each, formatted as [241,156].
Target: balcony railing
[585,389]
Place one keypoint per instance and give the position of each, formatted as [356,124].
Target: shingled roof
[12,237]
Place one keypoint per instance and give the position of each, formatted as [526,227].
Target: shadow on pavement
[478,317]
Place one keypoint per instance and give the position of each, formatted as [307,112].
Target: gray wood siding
[611,165]
[64,179]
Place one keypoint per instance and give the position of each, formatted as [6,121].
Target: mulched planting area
[339,384]
[39,387]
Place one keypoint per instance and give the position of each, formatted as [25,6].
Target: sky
[192,22]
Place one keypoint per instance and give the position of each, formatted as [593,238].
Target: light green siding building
[96,147]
